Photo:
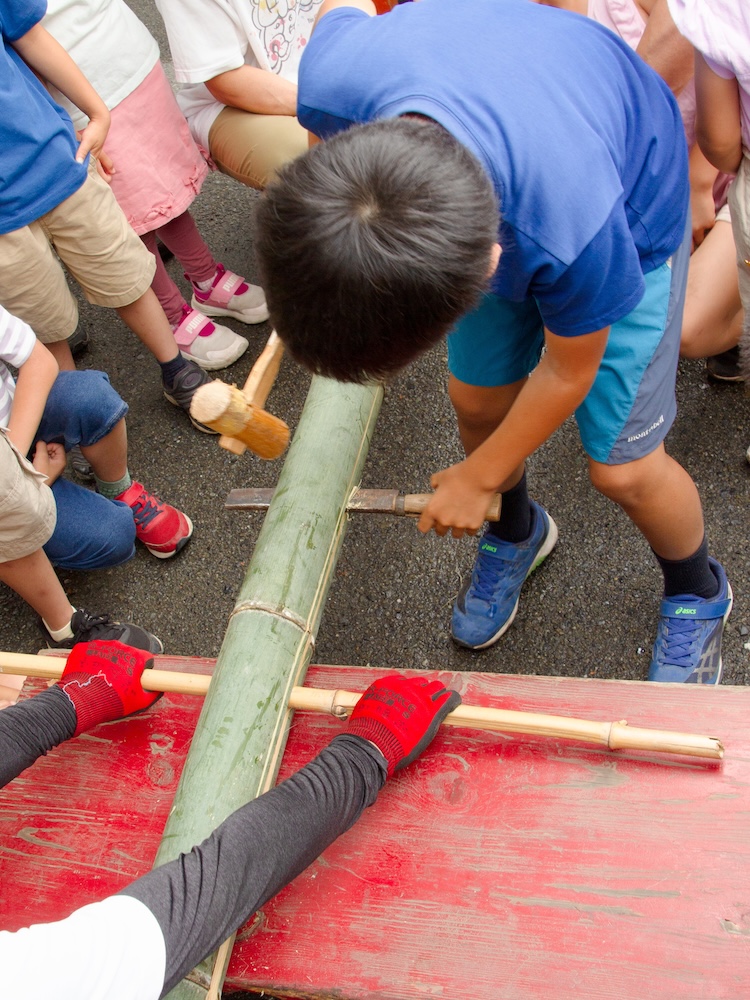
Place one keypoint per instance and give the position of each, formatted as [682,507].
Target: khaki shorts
[27,506]
[251,148]
[91,236]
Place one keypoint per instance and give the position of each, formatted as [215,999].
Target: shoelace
[488,573]
[677,644]
[145,509]
[91,627]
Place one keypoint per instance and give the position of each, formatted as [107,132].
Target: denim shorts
[631,405]
[91,532]
[82,408]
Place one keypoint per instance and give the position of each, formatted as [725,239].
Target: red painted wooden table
[495,868]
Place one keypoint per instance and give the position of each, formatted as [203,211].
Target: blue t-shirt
[583,142]
[37,139]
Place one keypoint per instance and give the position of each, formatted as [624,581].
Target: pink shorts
[159,168]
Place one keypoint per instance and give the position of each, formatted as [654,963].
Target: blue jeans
[91,531]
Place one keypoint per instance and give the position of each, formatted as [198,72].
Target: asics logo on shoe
[486,547]
[684,611]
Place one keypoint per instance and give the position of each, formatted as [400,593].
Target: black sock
[515,515]
[689,576]
[171,368]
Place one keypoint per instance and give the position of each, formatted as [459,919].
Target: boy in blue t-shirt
[385,238]
[51,196]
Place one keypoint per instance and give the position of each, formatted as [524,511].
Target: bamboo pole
[613,735]
[241,733]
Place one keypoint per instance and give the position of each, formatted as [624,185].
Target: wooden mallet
[238,414]
[613,735]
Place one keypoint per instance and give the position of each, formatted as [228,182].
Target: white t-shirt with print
[209,37]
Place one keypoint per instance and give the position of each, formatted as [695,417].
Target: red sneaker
[163,529]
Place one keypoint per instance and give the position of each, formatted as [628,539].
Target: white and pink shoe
[207,344]
[230,295]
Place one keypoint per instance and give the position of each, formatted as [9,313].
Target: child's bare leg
[33,578]
[149,323]
[109,456]
[479,411]
[659,497]
[712,321]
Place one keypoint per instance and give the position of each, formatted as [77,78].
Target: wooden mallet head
[225,409]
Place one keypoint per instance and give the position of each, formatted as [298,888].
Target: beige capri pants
[251,148]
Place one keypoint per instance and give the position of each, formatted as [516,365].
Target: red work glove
[103,681]
[401,716]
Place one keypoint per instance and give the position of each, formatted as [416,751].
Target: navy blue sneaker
[487,604]
[688,639]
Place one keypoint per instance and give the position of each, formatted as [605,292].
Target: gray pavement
[590,610]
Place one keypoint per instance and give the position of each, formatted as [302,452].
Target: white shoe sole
[250,316]
[224,361]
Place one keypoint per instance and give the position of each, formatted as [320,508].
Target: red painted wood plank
[514,867]
[495,867]
[87,819]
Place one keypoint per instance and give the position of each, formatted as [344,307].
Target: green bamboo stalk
[241,733]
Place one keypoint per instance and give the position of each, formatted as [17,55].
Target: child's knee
[82,408]
[620,483]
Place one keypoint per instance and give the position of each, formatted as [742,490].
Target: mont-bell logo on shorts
[649,430]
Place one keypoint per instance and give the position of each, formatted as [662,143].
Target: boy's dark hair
[372,244]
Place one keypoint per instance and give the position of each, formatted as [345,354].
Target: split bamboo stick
[613,735]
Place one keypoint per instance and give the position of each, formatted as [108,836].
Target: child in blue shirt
[515,177]
[51,196]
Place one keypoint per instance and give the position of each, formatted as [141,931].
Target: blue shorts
[631,405]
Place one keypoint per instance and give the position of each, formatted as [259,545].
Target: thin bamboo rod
[613,735]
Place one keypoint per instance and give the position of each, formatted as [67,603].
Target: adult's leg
[251,148]
[204,896]
[712,320]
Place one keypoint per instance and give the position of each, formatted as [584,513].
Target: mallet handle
[258,385]
[415,503]
[614,735]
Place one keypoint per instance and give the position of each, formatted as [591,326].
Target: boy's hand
[93,136]
[49,459]
[102,679]
[401,716]
[459,505]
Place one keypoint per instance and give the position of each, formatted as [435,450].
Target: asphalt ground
[590,610]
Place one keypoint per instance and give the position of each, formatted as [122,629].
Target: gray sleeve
[201,898]
[31,728]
